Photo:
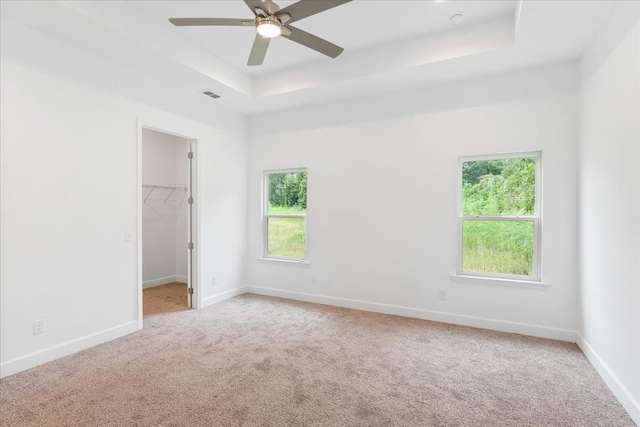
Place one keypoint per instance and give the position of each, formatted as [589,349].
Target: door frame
[193,219]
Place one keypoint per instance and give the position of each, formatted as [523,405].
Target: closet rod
[164,187]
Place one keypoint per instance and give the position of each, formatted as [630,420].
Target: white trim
[193,227]
[418,313]
[34,359]
[498,281]
[266,215]
[498,218]
[223,296]
[617,388]
[500,156]
[285,260]
[163,281]
[286,170]
[536,218]
[194,224]
[139,284]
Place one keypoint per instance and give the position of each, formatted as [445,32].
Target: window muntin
[499,216]
[285,214]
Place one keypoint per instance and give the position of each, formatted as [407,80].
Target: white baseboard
[163,281]
[616,386]
[206,302]
[182,279]
[31,360]
[437,316]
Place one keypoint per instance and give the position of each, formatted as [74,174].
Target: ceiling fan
[270,22]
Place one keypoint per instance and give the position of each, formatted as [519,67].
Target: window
[285,215]
[499,216]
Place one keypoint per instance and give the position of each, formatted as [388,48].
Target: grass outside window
[286,237]
[504,247]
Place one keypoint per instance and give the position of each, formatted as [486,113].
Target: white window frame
[536,218]
[266,215]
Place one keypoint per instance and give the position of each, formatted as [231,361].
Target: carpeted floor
[259,361]
[165,299]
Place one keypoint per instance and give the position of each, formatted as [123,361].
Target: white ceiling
[355,25]
[389,45]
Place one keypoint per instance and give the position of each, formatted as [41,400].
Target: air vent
[212,95]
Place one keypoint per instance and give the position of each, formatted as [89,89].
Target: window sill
[285,261]
[517,283]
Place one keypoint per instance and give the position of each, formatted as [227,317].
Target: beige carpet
[165,299]
[258,361]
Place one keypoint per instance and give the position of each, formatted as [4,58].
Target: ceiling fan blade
[305,8]
[259,50]
[271,7]
[189,22]
[255,4]
[313,42]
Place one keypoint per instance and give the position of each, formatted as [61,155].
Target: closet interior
[166,175]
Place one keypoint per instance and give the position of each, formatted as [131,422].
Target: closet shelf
[163,187]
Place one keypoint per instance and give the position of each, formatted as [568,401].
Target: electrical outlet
[214,281]
[442,295]
[128,235]
[313,280]
[38,327]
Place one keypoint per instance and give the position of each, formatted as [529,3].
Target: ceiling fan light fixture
[272,21]
[268,27]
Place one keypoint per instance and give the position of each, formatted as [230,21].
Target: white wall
[382,197]
[68,193]
[164,214]
[610,203]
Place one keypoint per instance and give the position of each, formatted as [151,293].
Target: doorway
[166,223]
